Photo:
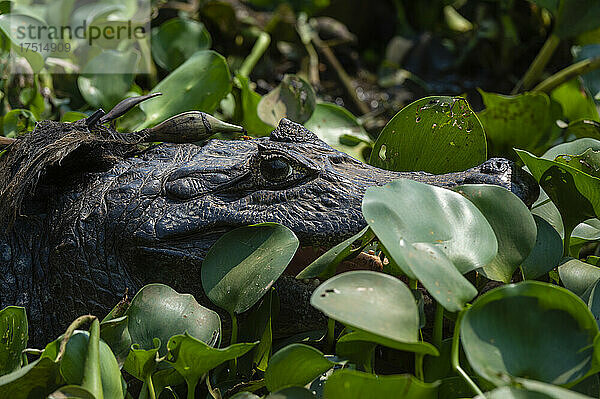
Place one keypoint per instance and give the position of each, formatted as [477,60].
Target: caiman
[89,214]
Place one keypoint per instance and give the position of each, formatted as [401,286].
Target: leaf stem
[413,284]
[330,334]
[539,63]
[567,240]
[568,73]
[438,327]
[455,360]
[150,386]
[70,330]
[234,337]
[419,366]
[191,389]
[92,381]
[260,46]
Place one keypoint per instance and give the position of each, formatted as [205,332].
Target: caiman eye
[275,168]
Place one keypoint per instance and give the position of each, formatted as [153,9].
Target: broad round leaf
[349,384]
[546,253]
[574,101]
[295,365]
[13,338]
[176,40]
[578,276]
[361,337]
[39,377]
[421,213]
[250,119]
[244,263]
[534,390]
[294,99]
[532,330]
[331,123]
[513,225]
[575,17]
[141,363]
[521,121]
[292,393]
[433,134]
[158,311]
[198,84]
[355,298]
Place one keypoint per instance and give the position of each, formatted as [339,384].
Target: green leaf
[433,134]
[594,301]
[331,123]
[72,116]
[591,80]
[294,99]
[115,332]
[71,391]
[433,234]
[586,232]
[575,194]
[356,351]
[534,390]
[250,119]
[92,380]
[513,225]
[176,40]
[514,330]
[523,121]
[8,25]
[546,253]
[583,128]
[587,162]
[158,311]
[74,366]
[325,265]
[18,121]
[578,276]
[37,379]
[104,90]
[574,101]
[295,365]
[198,84]
[349,298]
[358,337]
[193,358]
[575,17]
[257,256]
[13,338]
[141,363]
[350,384]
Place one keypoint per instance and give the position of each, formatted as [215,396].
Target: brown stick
[4,141]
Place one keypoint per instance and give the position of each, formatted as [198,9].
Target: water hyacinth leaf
[198,84]
[115,333]
[74,358]
[72,391]
[102,90]
[575,17]
[591,80]
[40,377]
[578,276]
[294,99]
[250,99]
[433,134]
[417,347]
[331,123]
[18,121]
[292,393]
[141,363]
[158,311]
[498,330]
[91,379]
[352,297]
[545,208]
[587,162]
[575,193]
[521,121]
[72,116]
[513,225]
[522,393]
[13,338]
[421,213]
[594,301]
[295,365]
[586,232]
[572,148]
[349,384]
[192,358]
[574,101]
[245,395]
[176,40]
[325,265]
[34,58]
[258,255]
[546,252]
[360,352]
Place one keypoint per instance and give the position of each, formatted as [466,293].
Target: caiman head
[130,218]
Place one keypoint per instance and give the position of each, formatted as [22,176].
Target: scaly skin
[152,217]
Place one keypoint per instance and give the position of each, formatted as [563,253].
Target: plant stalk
[191,389]
[438,327]
[454,356]
[568,73]
[419,366]
[260,46]
[330,334]
[150,386]
[70,330]
[537,66]
[234,337]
